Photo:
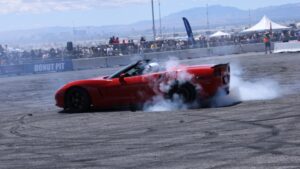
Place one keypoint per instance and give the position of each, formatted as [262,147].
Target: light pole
[160,31]
[207,19]
[208,39]
[153,21]
[249,18]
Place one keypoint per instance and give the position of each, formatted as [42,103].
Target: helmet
[152,67]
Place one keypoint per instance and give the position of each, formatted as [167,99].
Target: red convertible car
[139,82]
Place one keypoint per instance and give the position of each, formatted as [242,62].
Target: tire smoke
[242,90]
[160,103]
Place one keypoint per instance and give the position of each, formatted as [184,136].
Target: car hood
[99,78]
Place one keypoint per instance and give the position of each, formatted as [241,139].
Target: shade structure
[219,34]
[177,38]
[265,24]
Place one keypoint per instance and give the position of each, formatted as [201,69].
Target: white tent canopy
[265,24]
[219,34]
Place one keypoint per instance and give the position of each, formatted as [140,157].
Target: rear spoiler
[221,65]
[218,69]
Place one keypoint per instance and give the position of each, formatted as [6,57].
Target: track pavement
[253,134]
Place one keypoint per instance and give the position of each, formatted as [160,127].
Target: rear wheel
[135,107]
[186,92]
[77,100]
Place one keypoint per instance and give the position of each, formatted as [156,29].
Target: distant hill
[224,16]
[218,16]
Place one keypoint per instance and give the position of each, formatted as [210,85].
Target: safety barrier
[89,63]
[104,62]
[292,46]
[225,50]
[113,61]
[180,54]
[257,47]
[41,67]
[119,60]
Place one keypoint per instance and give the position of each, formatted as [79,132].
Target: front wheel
[77,100]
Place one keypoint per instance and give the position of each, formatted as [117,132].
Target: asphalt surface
[252,134]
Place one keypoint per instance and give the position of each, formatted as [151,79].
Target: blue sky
[27,14]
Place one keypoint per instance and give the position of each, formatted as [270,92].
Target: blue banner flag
[188,30]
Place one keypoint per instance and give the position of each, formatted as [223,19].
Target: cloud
[40,6]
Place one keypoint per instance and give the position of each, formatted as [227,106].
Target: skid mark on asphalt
[262,145]
[15,130]
[249,135]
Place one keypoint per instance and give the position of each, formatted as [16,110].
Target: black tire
[77,100]
[135,107]
[187,92]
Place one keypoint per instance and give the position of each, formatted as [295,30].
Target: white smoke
[257,89]
[182,74]
[240,90]
[246,90]
[160,103]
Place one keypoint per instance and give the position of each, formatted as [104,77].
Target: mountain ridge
[219,16]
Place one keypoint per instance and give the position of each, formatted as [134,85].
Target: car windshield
[138,68]
[119,72]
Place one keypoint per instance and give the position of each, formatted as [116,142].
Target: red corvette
[140,82]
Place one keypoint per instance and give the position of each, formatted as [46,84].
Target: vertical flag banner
[188,30]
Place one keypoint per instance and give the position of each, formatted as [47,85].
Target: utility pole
[160,31]
[208,40]
[249,18]
[153,21]
[207,19]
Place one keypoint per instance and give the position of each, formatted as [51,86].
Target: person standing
[267,42]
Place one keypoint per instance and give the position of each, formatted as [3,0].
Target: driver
[151,68]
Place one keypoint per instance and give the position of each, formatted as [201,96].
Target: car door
[131,89]
[110,94]
[122,91]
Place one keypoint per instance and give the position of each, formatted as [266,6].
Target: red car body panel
[109,92]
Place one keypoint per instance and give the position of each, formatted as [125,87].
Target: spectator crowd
[117,47]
